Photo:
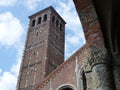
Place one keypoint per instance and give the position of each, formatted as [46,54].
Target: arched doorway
[66,87]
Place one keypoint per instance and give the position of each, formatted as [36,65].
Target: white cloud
[11,29]
[11,32]
[10,78]
[7,2]
[67,11]
[31,4]
[73,39]
[7,81]
[0,70]
[15,68]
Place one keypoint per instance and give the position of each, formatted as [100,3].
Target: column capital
[96,56]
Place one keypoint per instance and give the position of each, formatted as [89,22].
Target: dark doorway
[67,89]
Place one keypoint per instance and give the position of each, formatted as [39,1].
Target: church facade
[92,67]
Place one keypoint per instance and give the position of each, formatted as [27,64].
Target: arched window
[37,34]
[39,20]
[66,87]
[57,23]
[60,27]
[83,84]
[33,23]
[53,19]
[45,17]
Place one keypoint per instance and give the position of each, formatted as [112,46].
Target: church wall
[66,73]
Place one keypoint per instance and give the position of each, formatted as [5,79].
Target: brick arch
[66,87]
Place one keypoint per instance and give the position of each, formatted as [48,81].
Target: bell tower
[44,49]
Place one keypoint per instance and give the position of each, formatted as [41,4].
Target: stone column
[98,70]
[102,77]
[82,80]
[116,70]
[51,84]
[101,68]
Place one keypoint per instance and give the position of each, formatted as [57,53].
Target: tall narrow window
[60,27]
[53,19]
[45,17]
[33,23]
[39,20]
[57,22]
[37,34]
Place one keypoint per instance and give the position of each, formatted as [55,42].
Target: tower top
[45,10]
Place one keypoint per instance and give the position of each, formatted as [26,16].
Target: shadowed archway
[66,87]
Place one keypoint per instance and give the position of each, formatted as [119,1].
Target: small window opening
[60,27]
[45,17]
[53,19]
[33,53]
[57,22]
[39,20]
[37,34]
[33,23]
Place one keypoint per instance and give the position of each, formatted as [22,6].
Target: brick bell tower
[44,49]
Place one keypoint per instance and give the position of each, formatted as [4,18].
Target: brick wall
[90,22]
[65,73]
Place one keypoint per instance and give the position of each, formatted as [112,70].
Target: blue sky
[13,28]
